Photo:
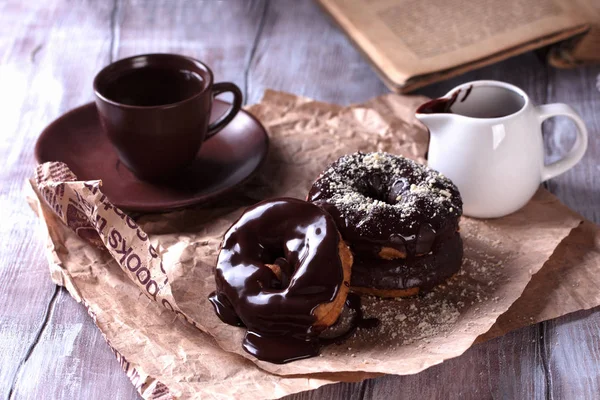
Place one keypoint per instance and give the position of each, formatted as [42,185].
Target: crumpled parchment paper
[109,260]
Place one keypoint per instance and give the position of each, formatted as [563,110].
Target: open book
[412,43]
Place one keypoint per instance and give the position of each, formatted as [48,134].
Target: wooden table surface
[50,51]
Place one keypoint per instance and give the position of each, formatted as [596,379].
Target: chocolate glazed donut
[283,272]
[388,207]
[380,200]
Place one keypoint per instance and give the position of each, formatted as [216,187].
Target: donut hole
[377,189]
[281,269]
[282,256]
[375,195]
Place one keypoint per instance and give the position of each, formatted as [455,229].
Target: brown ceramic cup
[155,110]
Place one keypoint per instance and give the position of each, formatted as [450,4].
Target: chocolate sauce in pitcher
[495,109]
[443,104]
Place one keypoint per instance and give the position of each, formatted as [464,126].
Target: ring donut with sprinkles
[388,207]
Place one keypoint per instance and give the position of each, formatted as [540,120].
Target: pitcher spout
[435,113]
[434,122]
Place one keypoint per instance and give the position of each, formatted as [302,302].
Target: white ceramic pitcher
[486,137]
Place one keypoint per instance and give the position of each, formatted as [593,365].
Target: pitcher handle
[577,151]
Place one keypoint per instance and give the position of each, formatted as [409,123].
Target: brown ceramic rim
[128,61]
[174,205]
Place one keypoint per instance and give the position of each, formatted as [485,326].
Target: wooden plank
[72,360]
[507,367]
[46,353]
[302,52]
[220,33]
[346,391]
[498,369]
[579,187]
[572,354]
[572,343]
[33,95]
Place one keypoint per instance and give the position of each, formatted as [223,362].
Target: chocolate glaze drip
[393,202]
[354,303]
[423,272]
[278,314]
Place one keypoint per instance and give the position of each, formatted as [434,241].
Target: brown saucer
[223,162]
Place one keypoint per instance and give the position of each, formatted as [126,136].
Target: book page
[409,38]
[436,27]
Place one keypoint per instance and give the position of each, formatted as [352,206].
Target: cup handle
[577,151]
[217,89]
